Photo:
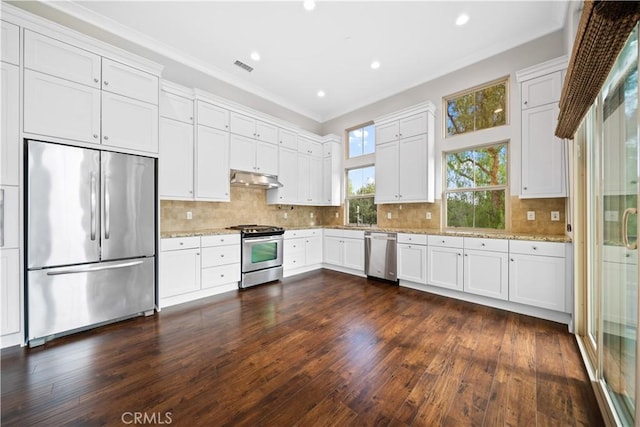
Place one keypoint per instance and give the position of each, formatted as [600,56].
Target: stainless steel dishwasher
[380,255]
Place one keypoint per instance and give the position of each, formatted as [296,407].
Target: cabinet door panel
[242,153]
[266,132]
[288,176]
[413,125]
[313,250]
[413,169]
[176,107]
[176,159]
[179,272]
[387,173]
[537,281]
[213,116]
[10,214]
[353,253]
[486,273]
[543,157]
[266,158]
[315,179]
[288,139]
[61,108]
[412,263]
[10,50]
[304,178]
[212,164]
[445,267]
[53,57]
[387,132]
[542,90]
[129,123]
[128,81]
[10,124]
[9,291]
[332,253]
[242,125]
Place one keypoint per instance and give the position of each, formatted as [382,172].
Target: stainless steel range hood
[254,180]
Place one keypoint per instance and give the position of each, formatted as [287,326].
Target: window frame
[474,89]
[358,162]
[506,187]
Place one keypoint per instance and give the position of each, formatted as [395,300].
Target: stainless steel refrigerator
[91,238]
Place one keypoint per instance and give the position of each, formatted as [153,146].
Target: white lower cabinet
[196,267]
[179,266]
[445,261]
[486,267]
[344,249]
[537,274]
[302,250]
[412,258]
[9,292]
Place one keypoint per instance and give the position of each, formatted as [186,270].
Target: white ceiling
[330,48]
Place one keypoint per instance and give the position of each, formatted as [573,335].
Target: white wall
[504,64]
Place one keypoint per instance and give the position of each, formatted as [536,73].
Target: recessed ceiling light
[462,19]
[375,65]
[255,56]
[309,4]
[321,94]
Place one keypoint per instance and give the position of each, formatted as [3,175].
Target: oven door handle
[262,239]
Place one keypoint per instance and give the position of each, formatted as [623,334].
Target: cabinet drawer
[529,247]
[53,57]
[10,43]
[176,107]
[415,239]
[446,241]
[216,276]
[220,255]
[177,243]
[213,116]
[333,232]
[128,81]
[288,139]
[293,247]
[353,234]
[496,245]
[220,240]
[292,234]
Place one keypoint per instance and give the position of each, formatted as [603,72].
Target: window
[476,187]
[361,189]
[478,108]
[362,141]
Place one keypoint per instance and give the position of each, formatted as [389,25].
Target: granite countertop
[432,231]
[196,233]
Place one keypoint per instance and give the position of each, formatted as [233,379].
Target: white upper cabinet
[405,144]
[10,39]
[176,107]
[128,81]
[288,176]
[212,116]
[542,90]
[10,124]
[543,158]
[253,128]
[62,108]
[309,146]
[266,158]
[56,58]
[288,139]
[129,123]
[332,173]
[212,165]
[176,159]
[250,155]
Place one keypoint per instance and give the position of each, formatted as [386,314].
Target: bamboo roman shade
[602,32]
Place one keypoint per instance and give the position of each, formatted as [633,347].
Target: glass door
[616,233]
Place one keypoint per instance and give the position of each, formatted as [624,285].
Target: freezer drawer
[67,298]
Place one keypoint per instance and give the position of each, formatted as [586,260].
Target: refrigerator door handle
[1,217]
[75,270]
[107,208]
[93,206]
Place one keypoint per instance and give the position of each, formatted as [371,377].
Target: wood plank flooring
[320,349]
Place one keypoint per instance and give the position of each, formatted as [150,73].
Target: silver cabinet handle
[106,138]
[93,206]
[96,80]
[106,83]
[625,228]
[76,270]
[2,218]
[95,136]
[107,208]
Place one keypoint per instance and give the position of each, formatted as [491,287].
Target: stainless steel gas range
[262,247]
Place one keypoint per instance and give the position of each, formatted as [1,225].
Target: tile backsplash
[249,206]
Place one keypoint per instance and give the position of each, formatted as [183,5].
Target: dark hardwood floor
[320,349]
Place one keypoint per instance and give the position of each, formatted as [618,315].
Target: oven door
[259,253]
